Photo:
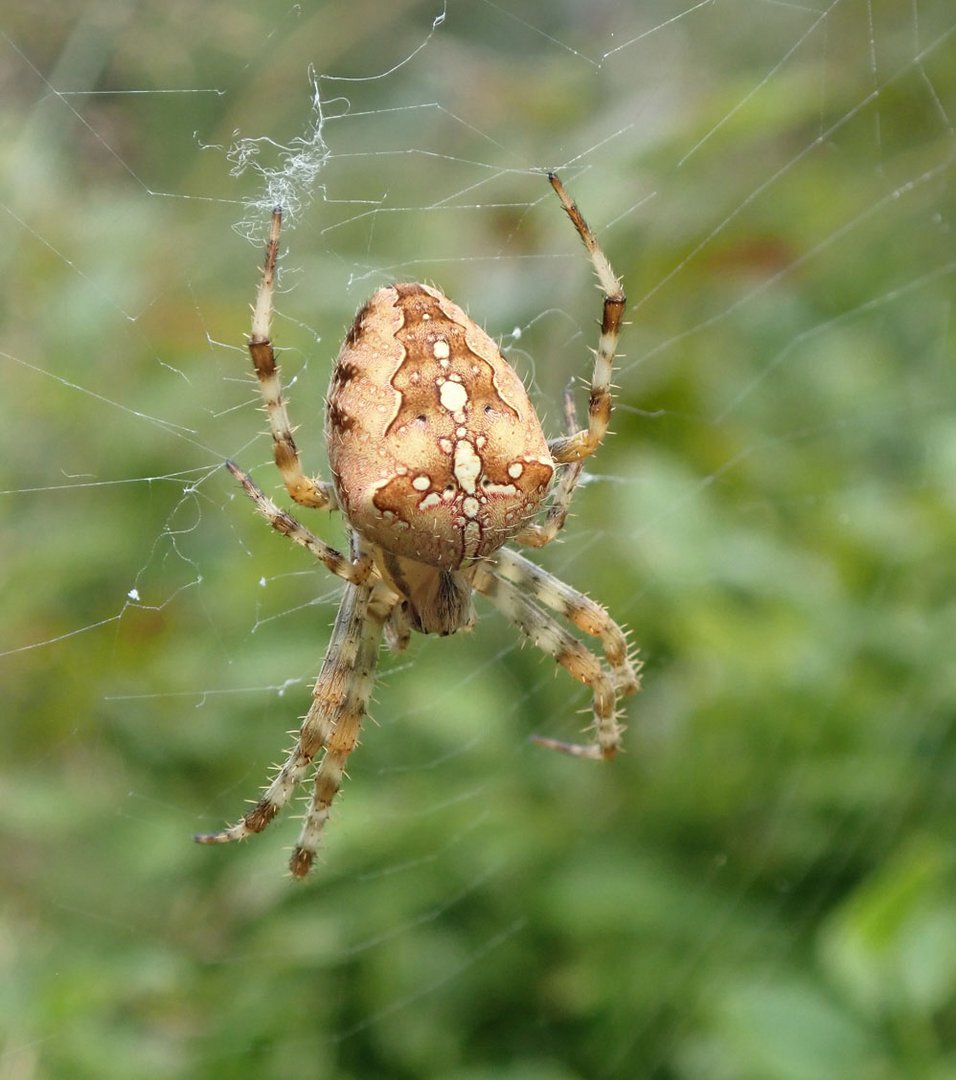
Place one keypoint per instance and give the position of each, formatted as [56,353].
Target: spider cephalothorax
[438,460]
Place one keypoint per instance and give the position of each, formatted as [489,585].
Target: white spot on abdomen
[467,466]
[471,534]
[453,396]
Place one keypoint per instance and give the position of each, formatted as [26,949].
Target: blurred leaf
[892,943]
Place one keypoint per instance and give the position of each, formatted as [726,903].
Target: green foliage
[762,887]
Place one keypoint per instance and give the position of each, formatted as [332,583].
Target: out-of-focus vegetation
[763,887]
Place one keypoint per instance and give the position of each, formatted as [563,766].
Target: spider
[437,460]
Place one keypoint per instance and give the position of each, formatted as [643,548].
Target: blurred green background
[763,886]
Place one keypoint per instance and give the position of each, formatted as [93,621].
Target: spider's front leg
[332,724]
[578,609]
[514,592]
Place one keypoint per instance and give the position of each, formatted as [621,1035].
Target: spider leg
[398,628]
[579,610]
[340,698]
[583,443]
[535,535]
[342,691]
[302,488]
[283,522]
[544,631]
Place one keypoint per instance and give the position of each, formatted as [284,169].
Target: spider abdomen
[435,450]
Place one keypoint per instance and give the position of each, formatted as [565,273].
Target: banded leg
[535,535]
[342,692]
[579,610]
[398,628]
[583,443]
[302,488]
[339,702]
[544,631]
[283,522]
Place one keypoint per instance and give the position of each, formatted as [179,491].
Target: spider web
[763,885]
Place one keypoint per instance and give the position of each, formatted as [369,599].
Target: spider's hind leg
[583,443]
[304,489]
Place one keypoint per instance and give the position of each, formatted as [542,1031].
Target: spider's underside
[437,460]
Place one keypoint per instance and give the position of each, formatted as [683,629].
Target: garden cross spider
[437,460]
